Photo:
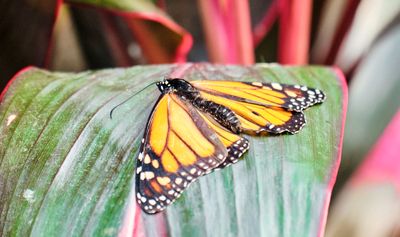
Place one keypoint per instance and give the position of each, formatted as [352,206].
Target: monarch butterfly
[194,129]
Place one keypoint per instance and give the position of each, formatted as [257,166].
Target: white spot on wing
[147,159]
[149,175]
[256,83]
[276,86]
[142,176]
[152,202]
[178,181]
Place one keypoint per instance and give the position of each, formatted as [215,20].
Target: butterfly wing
[182,143]
[178,147]
[262,107]
[235,145]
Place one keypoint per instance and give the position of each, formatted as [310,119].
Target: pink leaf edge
[335,168]
[11,81]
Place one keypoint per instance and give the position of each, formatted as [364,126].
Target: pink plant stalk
[227,28]
[294,32]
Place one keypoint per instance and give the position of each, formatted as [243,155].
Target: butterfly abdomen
[222,114]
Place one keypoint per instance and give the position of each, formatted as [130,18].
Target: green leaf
[67,169]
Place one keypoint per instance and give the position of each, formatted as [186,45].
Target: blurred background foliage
[361,37]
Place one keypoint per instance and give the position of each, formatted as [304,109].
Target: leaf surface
[67,169]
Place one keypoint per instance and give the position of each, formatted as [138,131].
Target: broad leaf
[67,169]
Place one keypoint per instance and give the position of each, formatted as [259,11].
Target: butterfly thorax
[188,93]
[175,85]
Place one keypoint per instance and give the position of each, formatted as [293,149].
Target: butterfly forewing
[178,147]
[291,97]
[262,107]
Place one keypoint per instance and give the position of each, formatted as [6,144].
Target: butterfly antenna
[130,97]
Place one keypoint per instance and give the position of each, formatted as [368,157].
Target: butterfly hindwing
[178,147]
[236,145]
[262,107]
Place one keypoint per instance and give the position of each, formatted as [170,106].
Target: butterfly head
[173,85]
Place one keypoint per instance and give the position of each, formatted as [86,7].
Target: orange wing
[235,144]
[262,107]
[178,147]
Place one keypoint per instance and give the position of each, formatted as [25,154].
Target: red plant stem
[213,25]
[264,26]
[242,29]
[294,32]
[227,28]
